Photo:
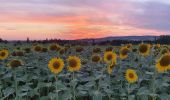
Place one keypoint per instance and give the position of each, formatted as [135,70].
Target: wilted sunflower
[144,49]
[124,52]
[4,54]
[96,58]
[163,64]
[131,76]
[110,57]
[56,65]
[110,67]
[15,63]
[74,63]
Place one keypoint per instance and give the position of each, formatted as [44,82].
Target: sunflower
[74,63]
[79,49]
[54,47]
[37,48]
[144,49]
[131,76]
[96,50]
[15,63]
[96,58]
[129,45]
[124,52]
[110,57]
[56,65]
[163,64]
[110,67]
[4,54]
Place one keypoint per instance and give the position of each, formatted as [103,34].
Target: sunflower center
[73,63]
[125,51]
[131,75]
[2,54]
[143,48]
[165,61]
[56,65]
[109,57]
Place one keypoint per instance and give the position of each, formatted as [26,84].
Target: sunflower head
[109,49]
[129,46]
[62,51]
[79,49]
[27,50]
[37,48]
[15,63]
[124,52]
[157,46]
[96,58]
[163,64]
[110,67]
[131,76]
[56,65]
[54,47]
[4,54]
[19,53]
[74,63]
[44,49]
[96,50]
[110,57]
[144,49]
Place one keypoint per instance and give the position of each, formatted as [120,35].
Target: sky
[78,19]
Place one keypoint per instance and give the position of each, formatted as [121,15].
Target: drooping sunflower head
[54,47]
[163,64]
[15,63]
[110,57]
[96,50]
[144,49]
[129,46]
[27,50]
[96,58]
[62,51]
[131,75]
[19,53]
[74,63]
[4,54]
[110,67]
[56,65]
[37,48]
[124,52]
[79,49]
[44,49]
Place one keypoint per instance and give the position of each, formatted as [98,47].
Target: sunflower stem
[56,79]
[74,96]
[128,90]
[16,85]
[109,87]
[153,86]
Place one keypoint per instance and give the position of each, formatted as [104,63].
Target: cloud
[85,18]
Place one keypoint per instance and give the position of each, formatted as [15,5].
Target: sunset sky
[76,19]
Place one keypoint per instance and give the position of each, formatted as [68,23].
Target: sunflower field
[30,71]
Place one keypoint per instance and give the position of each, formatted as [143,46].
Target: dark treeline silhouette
[163,39]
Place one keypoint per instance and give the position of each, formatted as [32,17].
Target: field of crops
[64,72]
